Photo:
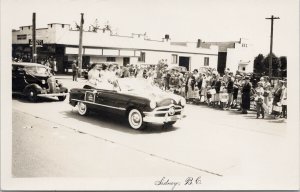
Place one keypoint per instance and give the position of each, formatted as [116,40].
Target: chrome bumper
[165,119]
[52,94]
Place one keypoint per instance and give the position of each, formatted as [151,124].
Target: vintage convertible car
[34,80]
[136,99]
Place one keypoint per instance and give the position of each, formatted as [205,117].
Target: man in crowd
[246,90]
[75,70]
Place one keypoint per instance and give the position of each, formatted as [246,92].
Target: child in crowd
[223,97]
[259,99]
[208,95]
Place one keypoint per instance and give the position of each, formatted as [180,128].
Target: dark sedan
[35,80]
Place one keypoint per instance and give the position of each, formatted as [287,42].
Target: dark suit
[246,91]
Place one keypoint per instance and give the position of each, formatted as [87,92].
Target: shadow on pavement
[23,99]
[115,122]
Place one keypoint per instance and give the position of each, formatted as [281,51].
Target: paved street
[50,139]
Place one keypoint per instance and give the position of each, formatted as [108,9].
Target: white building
[60,41]
[235,55]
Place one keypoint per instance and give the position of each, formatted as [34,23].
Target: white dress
[93,77]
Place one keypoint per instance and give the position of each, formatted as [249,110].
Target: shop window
[174,59]
[110,59]
[21,37]
[206,61]
[142,58]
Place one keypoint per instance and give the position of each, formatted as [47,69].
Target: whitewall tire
[135,119]
[82,108]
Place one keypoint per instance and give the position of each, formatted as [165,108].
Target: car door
[113,101]
[18,78]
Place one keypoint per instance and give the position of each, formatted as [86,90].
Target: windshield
[128,84]
[37,70]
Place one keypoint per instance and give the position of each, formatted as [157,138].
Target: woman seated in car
[94,75]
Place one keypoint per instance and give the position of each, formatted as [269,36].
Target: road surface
[50,139]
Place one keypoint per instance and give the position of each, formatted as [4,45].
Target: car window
[37,70]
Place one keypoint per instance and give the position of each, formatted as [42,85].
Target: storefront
[60,42]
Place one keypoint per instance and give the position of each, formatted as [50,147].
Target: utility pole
[80,46]
[271,45]
[34,55]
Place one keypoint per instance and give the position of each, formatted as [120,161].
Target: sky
[183,20]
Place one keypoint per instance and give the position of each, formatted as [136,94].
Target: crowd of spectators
[228,91]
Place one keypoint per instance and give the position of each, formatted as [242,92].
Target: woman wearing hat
[267,91]
[93,75]
[276,109]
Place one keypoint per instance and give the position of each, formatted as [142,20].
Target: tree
[258,64]
[275,65]
[283,66]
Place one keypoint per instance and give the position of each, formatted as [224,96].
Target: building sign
[88,51]
[126,53]
[72,50]
[38,42]
[108,52]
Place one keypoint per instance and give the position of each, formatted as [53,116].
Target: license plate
[173,118]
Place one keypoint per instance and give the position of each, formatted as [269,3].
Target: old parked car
[35,80]
[134,98]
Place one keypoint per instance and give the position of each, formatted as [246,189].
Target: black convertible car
[136,99]
[35,80]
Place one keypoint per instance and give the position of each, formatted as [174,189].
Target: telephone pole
[271,45]
[80,46]
[34,55]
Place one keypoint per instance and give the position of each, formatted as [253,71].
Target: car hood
[162,98]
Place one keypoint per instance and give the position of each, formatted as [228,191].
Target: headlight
[43,81]
[152,104]
[183,102]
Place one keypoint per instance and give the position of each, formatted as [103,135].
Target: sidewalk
[67,81]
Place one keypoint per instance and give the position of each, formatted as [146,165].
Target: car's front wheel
[32,95]
[82,108]
[135,119]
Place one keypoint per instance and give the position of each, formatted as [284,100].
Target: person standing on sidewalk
[75,70]
[246,95]
[277,100]
[259,99]
[284,99]
[267,92]
[230,91]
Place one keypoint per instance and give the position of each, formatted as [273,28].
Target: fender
[34,86]
[63,89]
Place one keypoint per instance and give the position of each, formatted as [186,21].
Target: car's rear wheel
[32,95]
[61,98]
[82,108]
[135,119]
